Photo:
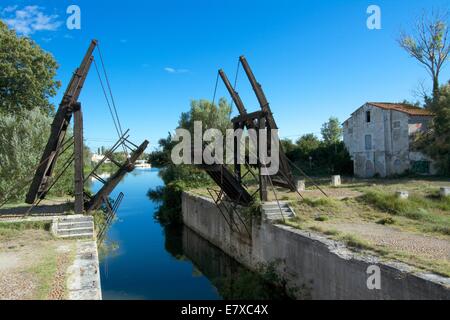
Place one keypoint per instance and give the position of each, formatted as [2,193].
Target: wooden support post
[237,152]
[78,153]
[262,178]
[41,181]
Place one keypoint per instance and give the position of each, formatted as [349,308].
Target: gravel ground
[58,290]
[16,286]
[421,245]
[19,255]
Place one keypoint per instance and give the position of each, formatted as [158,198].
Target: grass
[47,268]
[353,241]
[44,266]
[440,267]
[321,202]
[45,271]
[432,211]
[12,229]
[50,200]
[99,220]
[374,202]
[322,218]
[386,221]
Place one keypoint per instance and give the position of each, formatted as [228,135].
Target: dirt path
[32,266]
[425,246]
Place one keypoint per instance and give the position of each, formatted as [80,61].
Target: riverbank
[309,260]
[367,215]
[37,265]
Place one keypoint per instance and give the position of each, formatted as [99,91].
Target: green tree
[27,74]
[161,158]
[22,137]
[182,177]
[436,142]
[288,146]
[212,116]
[308,143]
[428,44]
[332,131]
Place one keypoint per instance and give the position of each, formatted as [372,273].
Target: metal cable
[109,87]
[107,100]
[215,89]
[235,80]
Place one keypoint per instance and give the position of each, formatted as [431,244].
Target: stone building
[378,137]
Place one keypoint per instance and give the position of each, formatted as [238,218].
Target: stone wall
[309,261]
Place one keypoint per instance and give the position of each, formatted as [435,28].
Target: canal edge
[327,267]
[83,276]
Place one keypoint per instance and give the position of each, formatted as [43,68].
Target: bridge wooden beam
[97,200]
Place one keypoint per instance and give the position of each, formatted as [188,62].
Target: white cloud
[175,71]
[29,19]
[9,9]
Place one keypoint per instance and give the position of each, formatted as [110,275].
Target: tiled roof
[403,107]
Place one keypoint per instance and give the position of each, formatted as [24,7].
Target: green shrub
[322,218]
[320,202]
[386,221]
[28,225]
[415,208]
[355,242]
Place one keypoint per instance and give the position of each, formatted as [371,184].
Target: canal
[137,264]
[145,260]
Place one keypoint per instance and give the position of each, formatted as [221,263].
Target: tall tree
[308,143]
[212,116]
[331,131]
[428,43]
[436,142]
[22,138]
[27,74]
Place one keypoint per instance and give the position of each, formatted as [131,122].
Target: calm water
[154,262]
[142,267]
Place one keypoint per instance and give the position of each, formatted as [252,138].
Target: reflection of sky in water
[142,268]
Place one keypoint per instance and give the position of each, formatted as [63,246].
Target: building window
[368,117]
[368,140]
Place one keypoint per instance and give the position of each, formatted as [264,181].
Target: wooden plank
[79,165]
[259,93]
[248,117]
[262,178]
[41,180]
[234,95]
[96,201]
[285,170]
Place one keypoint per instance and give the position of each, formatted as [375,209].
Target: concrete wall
[325,268]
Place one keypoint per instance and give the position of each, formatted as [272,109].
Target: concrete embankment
[83,281]
[327,268]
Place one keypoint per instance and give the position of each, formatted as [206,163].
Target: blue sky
[315,59]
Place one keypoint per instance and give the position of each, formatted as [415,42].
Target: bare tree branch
[428,43]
